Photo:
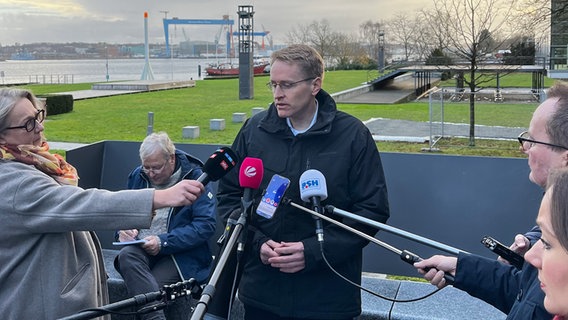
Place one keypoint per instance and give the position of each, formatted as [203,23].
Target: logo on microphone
[311,184]
[250,171]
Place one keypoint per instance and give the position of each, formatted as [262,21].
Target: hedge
[57,103]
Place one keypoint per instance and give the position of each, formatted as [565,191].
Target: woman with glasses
[550,254]
[176,246]
[51,265]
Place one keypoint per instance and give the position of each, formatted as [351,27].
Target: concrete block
[256,110]
[239,117]
[190,132]
[217,124]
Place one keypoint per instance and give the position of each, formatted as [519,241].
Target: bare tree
[470,28]
[402,30]
[347,49]
[318,34]
[298,35]
[545,18]
[370,34]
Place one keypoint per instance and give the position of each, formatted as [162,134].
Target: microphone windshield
[251,173]
[312,184]
[219,163]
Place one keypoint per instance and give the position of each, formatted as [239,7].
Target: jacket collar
[326,113]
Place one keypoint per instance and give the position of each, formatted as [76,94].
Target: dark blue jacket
[515,292]
[189,227]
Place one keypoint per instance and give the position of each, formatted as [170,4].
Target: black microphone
[313,189]
[218,164]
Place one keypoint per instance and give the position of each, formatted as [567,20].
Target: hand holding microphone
[185,192]
[438,269]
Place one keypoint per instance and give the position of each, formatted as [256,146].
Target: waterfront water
[80,71]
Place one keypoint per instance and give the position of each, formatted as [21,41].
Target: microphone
[219,163]
[405,255]
[395,231]
[250,177]
[313,188]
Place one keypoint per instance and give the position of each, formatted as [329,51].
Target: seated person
[176,247]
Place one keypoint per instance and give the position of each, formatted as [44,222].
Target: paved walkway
[413,131]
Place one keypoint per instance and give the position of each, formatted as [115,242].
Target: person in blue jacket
[515,292]
[176,246]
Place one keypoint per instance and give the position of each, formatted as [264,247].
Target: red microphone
[250,177]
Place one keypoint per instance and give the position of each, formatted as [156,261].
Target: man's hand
[437,266]
[289,257]
[521,245]
[127,235]
[152,245]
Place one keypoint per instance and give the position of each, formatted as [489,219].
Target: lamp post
[106,65]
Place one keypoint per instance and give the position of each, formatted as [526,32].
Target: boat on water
[230,69]
[24,55]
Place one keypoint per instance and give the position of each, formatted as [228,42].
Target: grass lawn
[125,117]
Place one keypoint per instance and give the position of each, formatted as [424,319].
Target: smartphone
[504,252]
[273,196]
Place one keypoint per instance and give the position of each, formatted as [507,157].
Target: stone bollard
[256,110]
[239,117]
[190,132]
[217,124]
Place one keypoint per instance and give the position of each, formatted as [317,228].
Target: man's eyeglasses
[154,170]
[527,143]
[31,123]
[285,85]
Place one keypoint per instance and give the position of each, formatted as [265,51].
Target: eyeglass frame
[31,122]
[154,170]
[271,85]
[532,142]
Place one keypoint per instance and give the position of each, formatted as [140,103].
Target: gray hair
[157,142]
[309,60]
[8,100]
[557,125]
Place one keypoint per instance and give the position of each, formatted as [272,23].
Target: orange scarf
[52,164]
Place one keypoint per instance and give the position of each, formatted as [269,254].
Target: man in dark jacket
[515,292]
[176,246]
[285,275]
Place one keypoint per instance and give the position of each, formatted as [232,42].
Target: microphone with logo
[219,163]
[221,281]
[250,177]
[313,189]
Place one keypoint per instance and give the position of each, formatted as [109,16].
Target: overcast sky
[122,21]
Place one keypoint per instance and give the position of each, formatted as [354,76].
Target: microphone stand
[405,255]
[393,230]
[209,289]
[168,293]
